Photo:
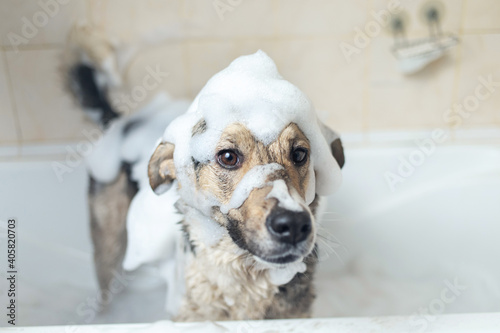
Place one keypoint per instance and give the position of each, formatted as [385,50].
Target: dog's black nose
[289,227]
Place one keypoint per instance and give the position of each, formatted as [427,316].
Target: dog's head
[257,171]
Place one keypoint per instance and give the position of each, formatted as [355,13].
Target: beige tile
[482,15]
[384,65]
[206,58]
[49,23]
[312,17]
[246,18]
[134,20]
[45,111]
[480,58]
[416,101]
[168,59]
[8,127]
[319,68]
[416,25]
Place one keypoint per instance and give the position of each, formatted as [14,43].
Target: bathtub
[417,254]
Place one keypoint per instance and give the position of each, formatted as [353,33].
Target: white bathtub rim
[476,322]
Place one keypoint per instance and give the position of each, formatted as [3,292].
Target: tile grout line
[365,126]
[208,39]
[34,47]
[88,8]
[458,65]
[184,44]
[481,31]
[15,111]
[276,5]
[186,63]
[212,39]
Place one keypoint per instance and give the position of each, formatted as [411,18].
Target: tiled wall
[365,95]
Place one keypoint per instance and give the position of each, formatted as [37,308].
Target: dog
[226,195]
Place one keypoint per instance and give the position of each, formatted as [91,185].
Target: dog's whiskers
[332,250]
[322,230]
[332,241]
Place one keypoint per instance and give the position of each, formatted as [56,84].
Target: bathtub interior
[383,252]
[396,251]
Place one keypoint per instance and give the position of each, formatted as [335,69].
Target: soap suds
[254,178]
[172,271]
[250,91]
[310,190]
[144,128]
[285,200]
[152,225]
[104,163]
[201,227]
[280,274]
[229,301]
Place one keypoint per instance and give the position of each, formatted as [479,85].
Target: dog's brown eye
[228,159]
[299,156]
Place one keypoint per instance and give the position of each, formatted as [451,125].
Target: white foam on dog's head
[250,91]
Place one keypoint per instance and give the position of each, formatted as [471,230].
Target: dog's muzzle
[289,227]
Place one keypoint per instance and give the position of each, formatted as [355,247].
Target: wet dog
[244,168]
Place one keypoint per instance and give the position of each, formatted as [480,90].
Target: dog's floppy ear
[161,169]
[335,143]
[338,151]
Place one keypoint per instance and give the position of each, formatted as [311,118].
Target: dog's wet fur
[247,224]
[225,273]
[224,282]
